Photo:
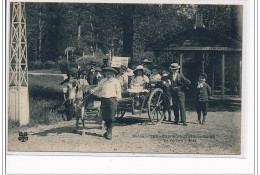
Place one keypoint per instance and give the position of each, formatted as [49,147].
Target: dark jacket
[166,89]
[203,93]
[181,83]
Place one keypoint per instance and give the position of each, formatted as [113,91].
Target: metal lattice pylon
[18,69]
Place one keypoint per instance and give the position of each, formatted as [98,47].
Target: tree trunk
[40,45]
[92,35]
[36,50]
[41,34]
[236,22]
[128,31]
[79,32]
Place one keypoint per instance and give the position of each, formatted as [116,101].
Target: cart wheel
[155,108]
[120,114]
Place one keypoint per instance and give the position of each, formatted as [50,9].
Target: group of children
[111,83]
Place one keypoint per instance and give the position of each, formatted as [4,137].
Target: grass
[54,71]
[45,98]
[43,111]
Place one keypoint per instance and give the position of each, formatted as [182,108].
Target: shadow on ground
[217,105]
[130,120]
[65,129]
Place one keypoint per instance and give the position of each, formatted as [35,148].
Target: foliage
[93,28]
[86,60]
[63,66]
[144,55]
[99,30]
[42,112]
[35,65]
[217,18]
[50,64]
[45,99]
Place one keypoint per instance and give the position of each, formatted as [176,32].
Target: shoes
[198,122]
[164,119]
[203,123]
[184,124]
[176,123]
[105,134]
[169,120]
[109,136]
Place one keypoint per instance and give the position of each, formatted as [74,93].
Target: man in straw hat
[179,84]
[109,90]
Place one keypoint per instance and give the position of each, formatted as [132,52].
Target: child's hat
[165,74]
[110,69]
[147,60]
[139,67]
[203,75]
[174,66]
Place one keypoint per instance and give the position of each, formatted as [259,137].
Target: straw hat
[139,67]
[147,60]
[174,66]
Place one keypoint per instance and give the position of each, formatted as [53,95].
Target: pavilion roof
[199,38]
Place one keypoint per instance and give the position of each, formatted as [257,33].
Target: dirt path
[221,135]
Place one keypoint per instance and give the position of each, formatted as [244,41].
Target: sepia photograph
[147,78]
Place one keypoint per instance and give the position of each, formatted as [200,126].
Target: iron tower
[18,69]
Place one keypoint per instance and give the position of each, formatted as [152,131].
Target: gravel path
[220,135]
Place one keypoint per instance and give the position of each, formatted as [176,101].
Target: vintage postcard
[147,78]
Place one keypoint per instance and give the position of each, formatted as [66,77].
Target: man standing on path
[179,84]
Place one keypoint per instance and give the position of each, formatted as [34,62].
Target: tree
[236,22]
[36,22]
[128,30]
[116,29]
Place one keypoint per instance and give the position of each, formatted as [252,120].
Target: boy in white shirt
[109,90]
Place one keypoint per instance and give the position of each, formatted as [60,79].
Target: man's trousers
[178,101]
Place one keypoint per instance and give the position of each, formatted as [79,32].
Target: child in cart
[155,76]
[139,83]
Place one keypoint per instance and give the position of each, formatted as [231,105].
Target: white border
[87,164]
